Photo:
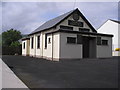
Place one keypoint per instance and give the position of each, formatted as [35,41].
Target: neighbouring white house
[112,27]
[68,36]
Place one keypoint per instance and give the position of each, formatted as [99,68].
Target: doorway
[85,43]
[89,47]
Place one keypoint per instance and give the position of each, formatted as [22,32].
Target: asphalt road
[84,73]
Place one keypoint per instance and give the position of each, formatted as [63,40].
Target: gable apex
[115,21]
[53,22]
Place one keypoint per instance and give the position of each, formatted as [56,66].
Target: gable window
[38,41]
[24,45]
[98,40]
[84,30]
[49,40]
[104,42]
[45,40]
[66,27]
[71,40]
[32,40]
[75,23]
[79,39]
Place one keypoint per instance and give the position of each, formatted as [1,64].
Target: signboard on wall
[75,23]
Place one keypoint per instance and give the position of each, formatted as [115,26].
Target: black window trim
[68,42]
[64,27]
[79,39]
[23,45]
[106,43]
[38,42]
[84,29]
[32,42]
[49,40]
[99,41]
[45,41]
[78,23]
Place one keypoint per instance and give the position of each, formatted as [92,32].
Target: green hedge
[6,50]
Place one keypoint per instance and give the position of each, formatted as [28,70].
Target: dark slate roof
[115,21]
[53,22]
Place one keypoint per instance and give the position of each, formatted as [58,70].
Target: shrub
[117,49]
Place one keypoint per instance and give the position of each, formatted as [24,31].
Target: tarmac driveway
[84,73]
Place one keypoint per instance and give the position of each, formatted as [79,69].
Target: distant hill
[24,35]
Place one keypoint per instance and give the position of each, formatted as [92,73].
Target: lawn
[84,73]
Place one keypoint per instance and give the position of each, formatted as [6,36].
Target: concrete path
[8,79]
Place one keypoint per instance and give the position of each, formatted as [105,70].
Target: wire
[74,4]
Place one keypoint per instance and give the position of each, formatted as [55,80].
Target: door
[85,42]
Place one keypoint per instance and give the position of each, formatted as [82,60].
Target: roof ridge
[117,21]
[61,15]
[55,21]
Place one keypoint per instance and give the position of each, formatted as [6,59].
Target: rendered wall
[104,51]
[56,46]
[111,27]
[24,51]
[47,52]
[69,51]
[37,50]
[28,47]
[32,50]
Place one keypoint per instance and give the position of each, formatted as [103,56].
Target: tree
[15,44]
[10,36]
[10,43]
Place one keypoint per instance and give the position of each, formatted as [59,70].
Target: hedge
[6,50]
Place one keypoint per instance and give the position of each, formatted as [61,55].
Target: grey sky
[27,16]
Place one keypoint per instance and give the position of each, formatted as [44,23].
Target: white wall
[52,50]
[24,51]
[104,51]
[47,52]
[37,50]
[111,27]
[56,45]
[69,51]
[32,50]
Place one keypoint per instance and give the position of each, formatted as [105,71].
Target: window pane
[38,41]
[45,40]
[104,42]
[66,27]
[49,40]
[84,30]
[24,45]
[79,39]
[71,40]
[98,40]
[32,40]
[75,23]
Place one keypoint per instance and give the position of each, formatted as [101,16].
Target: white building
[112,27]
[69,36]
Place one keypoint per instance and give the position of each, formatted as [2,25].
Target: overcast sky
[27,16]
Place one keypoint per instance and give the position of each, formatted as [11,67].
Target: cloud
[27,16]
[99,12]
